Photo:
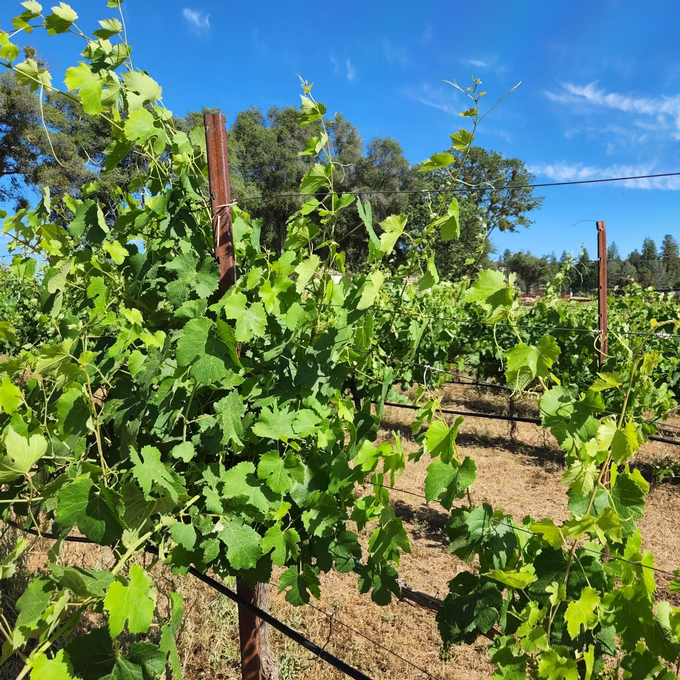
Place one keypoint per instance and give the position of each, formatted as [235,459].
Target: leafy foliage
[236,432]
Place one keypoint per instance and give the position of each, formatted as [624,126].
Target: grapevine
[236,432]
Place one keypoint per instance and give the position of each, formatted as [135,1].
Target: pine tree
[670,256]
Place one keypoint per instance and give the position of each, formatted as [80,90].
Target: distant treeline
[649,266]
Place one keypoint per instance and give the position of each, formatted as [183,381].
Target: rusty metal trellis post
[602,309]
[602,289]
[223,237]
[220,197]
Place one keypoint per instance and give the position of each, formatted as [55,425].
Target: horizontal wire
[516,419]
[371,640]
[477,187]
[559,329]
[234,596]
[533,533]
[242,602]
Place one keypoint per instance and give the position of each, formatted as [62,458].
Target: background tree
[531,271]
[63,159]
[671,260]
[483,208]
[585,278]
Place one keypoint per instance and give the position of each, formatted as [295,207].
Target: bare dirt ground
[520,474]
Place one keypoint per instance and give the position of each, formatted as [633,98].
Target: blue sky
[600,92]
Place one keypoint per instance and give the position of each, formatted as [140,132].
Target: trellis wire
[476,187]
[235,597]
[533,533]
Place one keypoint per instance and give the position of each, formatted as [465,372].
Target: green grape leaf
[109,28]
[8,564]
[252,323]
[117,252]
[366,215]
[230,411]
[275,424]
[184,535]
[660,637]
[28,74]
[450,223]
[10,396]
[315,178]
[392,228]
[240,480]
[57,668]
[33,602]
[436,161]
[74,412]
[462,139]
[512,579]
[582,612]
[96,511]
[622,443]
[148,469]
[140,89]
[272,469]
[90,85]
[430,278]
[606,381]
[134,603]
[526,363]
[243,544]
[305,270]
[299,584]
[552,666]
[139,127]
[440,439]
[82,582]
[92,655]
[628,494]
[371,289]
[22,453]
[490,292]
[283,545]
[184,451]
[191,276]
[147,657]
[61,19]
[208,349]
[439,477]
[8,50]
[471,605]
[550,533]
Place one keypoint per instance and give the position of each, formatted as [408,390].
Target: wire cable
[471,188]
[329,658]
[516,419]
[666,572]
[558,329]
[372,641]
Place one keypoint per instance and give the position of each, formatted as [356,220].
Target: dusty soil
[518,471]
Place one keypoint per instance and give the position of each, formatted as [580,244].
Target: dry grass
[521,475]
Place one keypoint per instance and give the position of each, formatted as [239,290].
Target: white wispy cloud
[260,45]
[426,35]
[569,172]
[197,19]
[336,64]
[351,71]
[394,54]
[664,110]
[439,98]
[478,63]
